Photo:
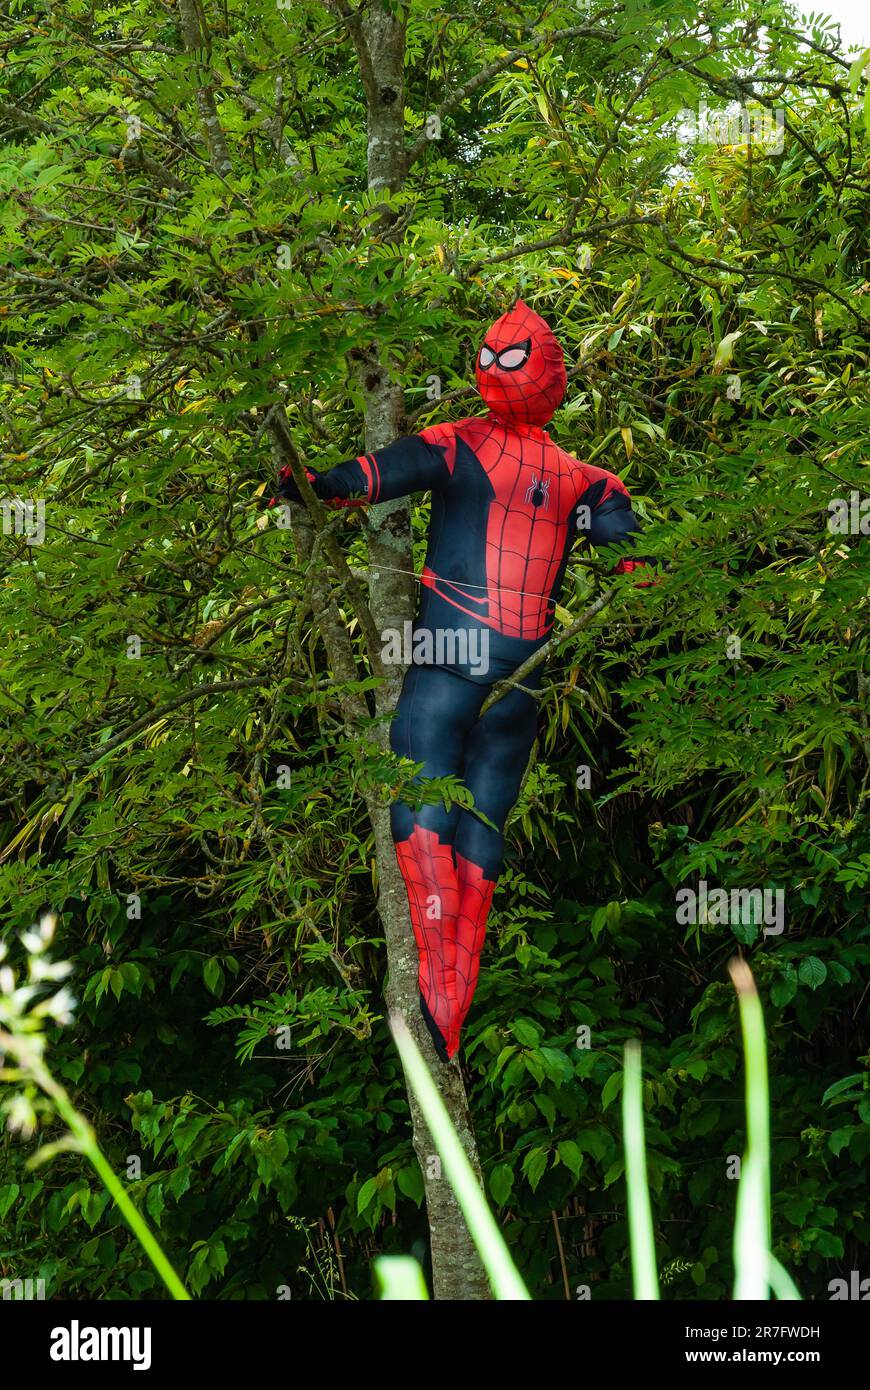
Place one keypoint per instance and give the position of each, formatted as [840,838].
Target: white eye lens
[487,357]
[513,357]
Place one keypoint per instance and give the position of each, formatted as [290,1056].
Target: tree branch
[196,39]
[215,688]
[537,658]
[323,532]
[535,42]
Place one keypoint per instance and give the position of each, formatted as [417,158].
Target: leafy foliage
[177,779]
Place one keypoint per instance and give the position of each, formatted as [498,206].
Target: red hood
[530,393]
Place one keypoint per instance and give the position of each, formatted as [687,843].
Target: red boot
[475,898]
[429,871]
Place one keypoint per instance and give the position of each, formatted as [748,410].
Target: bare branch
[537,658]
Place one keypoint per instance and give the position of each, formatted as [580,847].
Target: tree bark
[457,1273]
[456,1269]
[197,41]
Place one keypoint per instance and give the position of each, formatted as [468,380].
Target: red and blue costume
[507,505]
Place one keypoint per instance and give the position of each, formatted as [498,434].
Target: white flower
[48,970]
[60,1005]
[47,927]
[20,1116]
[22,996]
[35,941]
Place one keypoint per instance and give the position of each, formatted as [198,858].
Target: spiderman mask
[521,368]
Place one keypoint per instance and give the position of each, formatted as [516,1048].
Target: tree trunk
[379,38]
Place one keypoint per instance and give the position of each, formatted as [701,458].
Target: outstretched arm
[606,517]
[414,463]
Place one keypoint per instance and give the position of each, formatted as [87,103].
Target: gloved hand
[287,489]
[628,566]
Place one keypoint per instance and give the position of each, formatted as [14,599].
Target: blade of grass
[782,1283]
[645,1281]
[752,1222]
[503,1273]
[400,1277]
[84,1140]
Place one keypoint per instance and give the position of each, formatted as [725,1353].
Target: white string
[485,588]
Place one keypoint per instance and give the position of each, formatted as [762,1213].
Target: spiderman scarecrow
[507,505]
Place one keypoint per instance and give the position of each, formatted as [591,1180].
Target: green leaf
[557,1065]
[612,1088]
[8,1194]
[547,1107]
[839,1139]
[571,1155]
[725,350]
[826,1243]
[812,972]
[366,1194]
[856,70]
[783,990]
[501,1181]
[525,1032]
[615,1171]
[534,1166]
[410,1182]
[594,1140]
[213,976]
[847,1083]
